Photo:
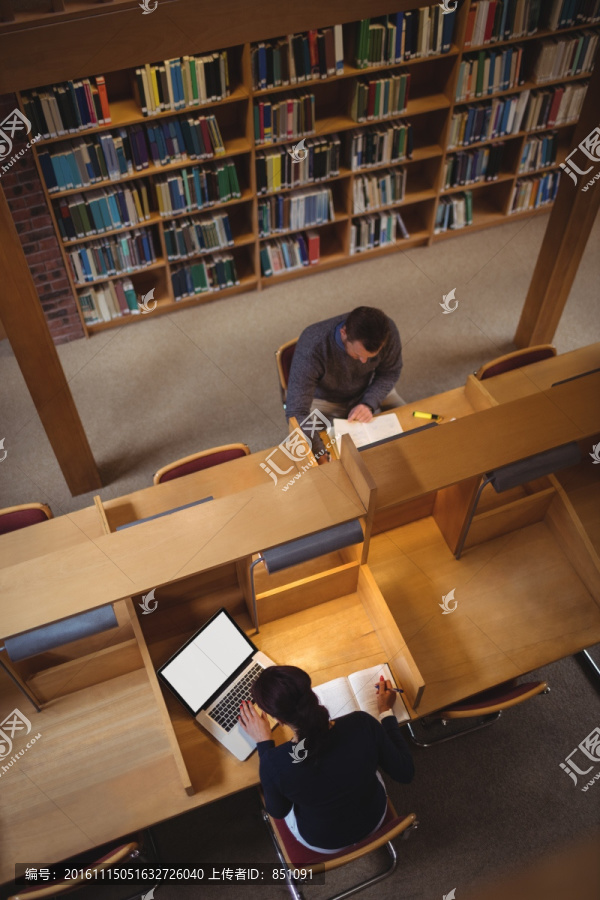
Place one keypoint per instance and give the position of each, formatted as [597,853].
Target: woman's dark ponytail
[284,692]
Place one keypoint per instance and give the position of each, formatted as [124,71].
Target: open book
[365,433]
[345,695]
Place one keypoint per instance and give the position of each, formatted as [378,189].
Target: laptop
[211,674]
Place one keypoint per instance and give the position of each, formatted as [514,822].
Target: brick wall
[23,189]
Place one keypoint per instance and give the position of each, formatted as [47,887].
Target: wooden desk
[521,603]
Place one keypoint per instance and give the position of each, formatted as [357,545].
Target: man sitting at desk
[346,367]
[330,791]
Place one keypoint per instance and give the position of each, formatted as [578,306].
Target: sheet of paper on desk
[363,433]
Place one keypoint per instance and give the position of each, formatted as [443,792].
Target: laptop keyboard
[227,710]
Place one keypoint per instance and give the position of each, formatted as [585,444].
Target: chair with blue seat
[293,855]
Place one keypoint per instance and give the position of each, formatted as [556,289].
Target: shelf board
[343,173]
[127,112]
[503,176]
[158,264]
[165,305]
[509,137]
[537,35]
[419,153]
[526,86]
[416,238]
[351,71]
[246,196]
[410,196]
[326,262]
[240,241]
[275,235]
[488,218]
[235,147]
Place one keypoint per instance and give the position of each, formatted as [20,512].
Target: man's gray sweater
[323,369]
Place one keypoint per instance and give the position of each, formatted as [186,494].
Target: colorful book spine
[214,273]
[539,152]
[112,256]
[380,97]
[289,167]
[472,166]
[288,212]
[188,189]
[68,107]
[179,83]
[287,254]
[454,212]
[380,145]
[370,232]
[185,238]
[394,38]
[308,56]
[532,193]
[381,189]
[285,119]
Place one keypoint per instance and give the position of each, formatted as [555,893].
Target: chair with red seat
[14,517]
[293,855]
[91,862]
[482,709]
[515,360]
[202,460]
[283,358]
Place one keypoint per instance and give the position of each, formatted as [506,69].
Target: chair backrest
[299,856]
[73,628]
[515,360]
[283,358]
[495,700]
[56,888]
[14,517]
[202,460]
[514,474]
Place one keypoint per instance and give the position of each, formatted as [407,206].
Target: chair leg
[291,886]
[586,662]
[369,881]
[419,736]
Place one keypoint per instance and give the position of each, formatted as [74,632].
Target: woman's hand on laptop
[256,725]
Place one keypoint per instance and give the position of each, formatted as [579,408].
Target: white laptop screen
[201,668]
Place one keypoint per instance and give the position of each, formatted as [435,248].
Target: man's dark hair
[369,326]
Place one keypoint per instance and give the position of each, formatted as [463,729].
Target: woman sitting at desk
[325,781]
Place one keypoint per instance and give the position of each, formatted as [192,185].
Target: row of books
[454,212]
[111,156]
[109,301]
[290,253]
[292,211]
[501,20]
[318,53]
[189,237]
[103,210]
[565,13]
[526,111]
[194,188]
[213,274]
[317,160]
[186,81]
[290,117]
[376,231]
[531,193]
[380,97]
[384,144]
[554,106]
[489,72]
[539,151]
[112,256]
[371,191]
[68,107]
[401,36]
[471,166]
[564,57]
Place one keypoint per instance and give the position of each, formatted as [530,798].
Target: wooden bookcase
[429,110]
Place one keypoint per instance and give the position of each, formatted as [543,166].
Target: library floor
[157,390]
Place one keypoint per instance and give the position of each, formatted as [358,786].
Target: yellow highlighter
[424,415]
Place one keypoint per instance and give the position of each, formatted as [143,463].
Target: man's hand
[386,697]
[360,413]
[256,725]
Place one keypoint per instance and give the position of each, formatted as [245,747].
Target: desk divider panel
[569,531]
[399,657]
[478,395]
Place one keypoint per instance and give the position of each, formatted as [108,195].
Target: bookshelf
[429,110]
